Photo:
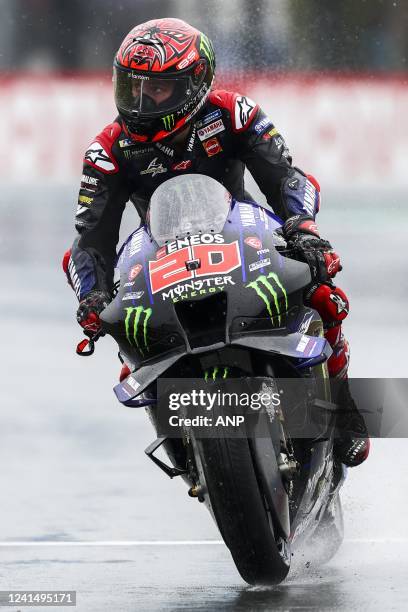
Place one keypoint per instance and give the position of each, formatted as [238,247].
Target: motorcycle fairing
[263,294]
[296,345]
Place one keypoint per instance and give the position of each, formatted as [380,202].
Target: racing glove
[89,310]
[302,236]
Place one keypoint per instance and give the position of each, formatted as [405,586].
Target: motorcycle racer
[171,121]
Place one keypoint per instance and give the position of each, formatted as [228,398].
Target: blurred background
[333,78]
[355,35]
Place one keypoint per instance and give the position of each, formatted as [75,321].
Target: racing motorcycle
[208,295]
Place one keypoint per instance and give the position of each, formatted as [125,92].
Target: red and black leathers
[230,133]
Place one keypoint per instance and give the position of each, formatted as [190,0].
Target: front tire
[261,554]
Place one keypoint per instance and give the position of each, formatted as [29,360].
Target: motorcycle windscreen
[187,205]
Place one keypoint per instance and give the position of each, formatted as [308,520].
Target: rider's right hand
[89,310]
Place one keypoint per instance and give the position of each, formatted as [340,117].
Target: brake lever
[82,349]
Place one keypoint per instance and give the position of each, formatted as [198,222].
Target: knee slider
[330,302]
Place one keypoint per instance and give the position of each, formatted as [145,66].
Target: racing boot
[352,443]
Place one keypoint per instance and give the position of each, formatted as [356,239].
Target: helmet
[162,75]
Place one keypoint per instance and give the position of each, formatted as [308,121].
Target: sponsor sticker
[212,146]
[293,184]
[98,157]
[247,214]
[132,383]
[165,149]
[263,125]
[154,168]
[253,242]
[244,112]
[304,326]
[310,198]
[136,243]
[192,240]
[310,346]
[340,303]
[85,199]
[81,210]
[197,287]
[216,259]
[270,134]
[268,287]
[191,57]
[126,142]
[192,139]
[183,165]
[262,263]
[136,327]
[137,152]
[134,271]
[210,130]
[302,344]
[136,295]
[209,118]
[89,180]
[279,142]
[140,77]
[333,265]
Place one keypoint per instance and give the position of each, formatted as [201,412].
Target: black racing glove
[89,310]
[302,236]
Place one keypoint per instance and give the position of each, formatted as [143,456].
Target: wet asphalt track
[72,467]
[172,578]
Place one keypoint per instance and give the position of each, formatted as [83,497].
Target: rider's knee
[330,302]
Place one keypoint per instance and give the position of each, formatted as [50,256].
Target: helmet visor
[152,96]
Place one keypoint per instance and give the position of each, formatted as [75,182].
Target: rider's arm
[258,143]
[288,190]
[102,199]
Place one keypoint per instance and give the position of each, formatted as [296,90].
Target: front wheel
[260,553]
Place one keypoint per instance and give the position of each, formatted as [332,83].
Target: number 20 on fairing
[215,260]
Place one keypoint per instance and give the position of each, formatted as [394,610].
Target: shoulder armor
[241,108]
[99,153]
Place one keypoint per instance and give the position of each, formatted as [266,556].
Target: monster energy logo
[216,372]
[267,287]
[169,122]
[136,326]
[207,48]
